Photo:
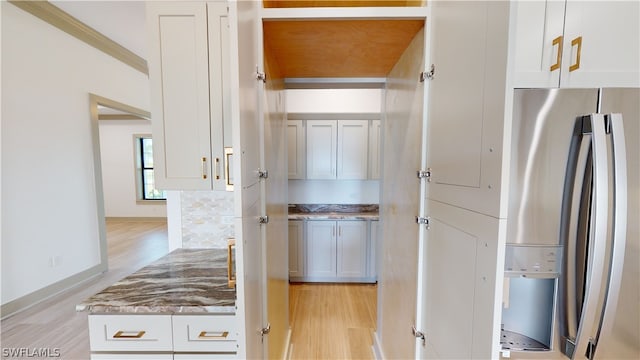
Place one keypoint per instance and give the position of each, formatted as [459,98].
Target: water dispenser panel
[533,261]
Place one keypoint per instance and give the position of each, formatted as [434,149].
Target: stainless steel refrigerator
[572,273]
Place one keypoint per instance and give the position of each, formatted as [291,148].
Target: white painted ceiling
[122,21]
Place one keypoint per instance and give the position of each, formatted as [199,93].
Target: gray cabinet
[331,251]
[296,249]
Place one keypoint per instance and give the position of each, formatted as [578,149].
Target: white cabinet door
[296,249]
[372,270]
[352,249]
[463,289]
[538,27]
[601,44]
[185,73]
[353,142]
[375,149]
[321,149]
[577,43]
[321,249]
[467,105]
[296,149]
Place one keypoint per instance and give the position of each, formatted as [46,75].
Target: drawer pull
[129,334]
[213,335]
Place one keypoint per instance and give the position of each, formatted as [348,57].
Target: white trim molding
[81,31]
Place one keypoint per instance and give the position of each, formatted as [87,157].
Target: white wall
[334,192]
[119,172]
[334,100]
[49,207]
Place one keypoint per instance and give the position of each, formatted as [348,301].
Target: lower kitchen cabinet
[331,251]
[296,249]
[162,336]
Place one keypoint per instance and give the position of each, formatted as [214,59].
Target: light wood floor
[332,321]
[329,321]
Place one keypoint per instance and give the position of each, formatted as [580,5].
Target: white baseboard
[377,349]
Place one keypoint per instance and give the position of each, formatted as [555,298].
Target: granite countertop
[333,212]
[183,281]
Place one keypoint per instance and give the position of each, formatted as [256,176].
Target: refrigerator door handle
[619,236]
[590,315]
[575,223]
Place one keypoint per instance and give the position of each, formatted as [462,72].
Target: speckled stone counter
[183,281]
[333,212]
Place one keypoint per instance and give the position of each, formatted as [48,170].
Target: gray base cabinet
[331,251]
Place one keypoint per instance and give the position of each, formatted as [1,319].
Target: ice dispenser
[530,286]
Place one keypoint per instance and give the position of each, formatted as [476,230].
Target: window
[146,184]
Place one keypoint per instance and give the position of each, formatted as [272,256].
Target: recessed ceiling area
[337,48]
[338,3]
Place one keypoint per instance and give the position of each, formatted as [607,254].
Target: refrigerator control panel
[533,260]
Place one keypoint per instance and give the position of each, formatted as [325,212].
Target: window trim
[138,171]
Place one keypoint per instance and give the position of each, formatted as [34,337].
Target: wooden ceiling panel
[339,3]
[337,48]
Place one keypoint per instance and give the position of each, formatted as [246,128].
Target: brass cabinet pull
[557,41]
[129,334]
[228,153]
[231,276]
[215,169]
[574,42]
[213,335]
[204,167]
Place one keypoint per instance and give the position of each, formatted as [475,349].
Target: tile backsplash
[207,219]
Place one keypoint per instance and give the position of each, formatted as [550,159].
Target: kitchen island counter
[183,281]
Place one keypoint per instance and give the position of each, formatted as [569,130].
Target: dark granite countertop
[333,212]
[183,281]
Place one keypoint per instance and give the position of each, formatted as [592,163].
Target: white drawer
[205,333]
[131,356]
[130,332]
[205,357]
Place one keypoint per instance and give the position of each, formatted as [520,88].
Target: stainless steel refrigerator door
[543,124]
[620,334]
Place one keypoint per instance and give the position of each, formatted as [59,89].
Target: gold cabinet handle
[215,169]
[231,276]
[574,42]
[210,335]
[204,167]
[129,334]
[228,153]
[557,41]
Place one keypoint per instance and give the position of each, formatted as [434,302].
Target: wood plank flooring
[329,321]
[332,321]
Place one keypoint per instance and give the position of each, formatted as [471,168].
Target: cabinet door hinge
[423,220]
[424,174]
[428,74]
[263,219]
[419,335]
[263,174]
[266,330]
[260,76]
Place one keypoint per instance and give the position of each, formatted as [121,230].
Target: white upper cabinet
[466,111]
[375,153]
[322,136]
[337,149]
[296,149]
[187,93]
[577,43]
[353,141]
